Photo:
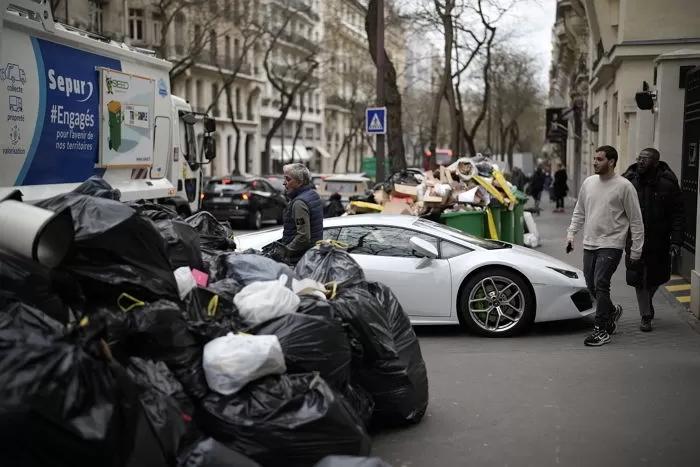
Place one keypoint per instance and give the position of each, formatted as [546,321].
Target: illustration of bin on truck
[114,108]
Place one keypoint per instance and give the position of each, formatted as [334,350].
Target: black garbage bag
[248,268]
[311,343]
[351,461]
[210,453]
[116,250]
[159,332]
[153,211]
[360,400]
[399,387]
[18,315]
[367,324]
[315,306]
[31,283]
[210,312]
[182,244]
[97,186]
[160,398]
[290,420]
[326,263]
[63,404]
[214,235]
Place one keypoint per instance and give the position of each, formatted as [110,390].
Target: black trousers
[598,267]
[560,203]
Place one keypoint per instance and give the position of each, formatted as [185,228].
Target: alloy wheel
[496,304]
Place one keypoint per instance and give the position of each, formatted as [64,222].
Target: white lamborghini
[444,276]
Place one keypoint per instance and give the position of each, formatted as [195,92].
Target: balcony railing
[298,39]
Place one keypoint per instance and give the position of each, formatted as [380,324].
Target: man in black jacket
[662,210]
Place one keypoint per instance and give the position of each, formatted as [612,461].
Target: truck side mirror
[209,125]
[209,147]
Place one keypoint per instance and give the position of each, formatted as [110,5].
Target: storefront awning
[284,153]
[322,151]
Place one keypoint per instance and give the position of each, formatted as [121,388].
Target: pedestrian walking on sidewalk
[536,187]
[661,202]
[607,208]
[560,187]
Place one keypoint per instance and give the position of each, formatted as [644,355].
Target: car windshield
[233,185]
[458,234]
[342,187]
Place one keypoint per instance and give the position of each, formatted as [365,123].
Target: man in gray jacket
[607,208]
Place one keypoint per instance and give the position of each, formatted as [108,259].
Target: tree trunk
[236,129]
[392,95]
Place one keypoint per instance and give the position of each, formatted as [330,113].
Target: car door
[423,287]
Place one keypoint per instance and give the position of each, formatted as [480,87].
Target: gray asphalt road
[546,399]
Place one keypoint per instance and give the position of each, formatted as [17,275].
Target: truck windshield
[190,142]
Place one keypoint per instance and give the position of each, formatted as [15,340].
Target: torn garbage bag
[311,343]
[290,420]
[399,387]
[248,268]
[159,332]
[232,361]
[326,263]
[262,301]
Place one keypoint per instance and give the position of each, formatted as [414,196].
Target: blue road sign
[375,120]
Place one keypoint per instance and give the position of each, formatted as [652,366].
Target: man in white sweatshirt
[607,208]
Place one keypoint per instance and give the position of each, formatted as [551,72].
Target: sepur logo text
[70,86]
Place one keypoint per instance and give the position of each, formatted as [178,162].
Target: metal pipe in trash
[34,233]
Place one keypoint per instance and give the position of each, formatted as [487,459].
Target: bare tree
[291,78]
[392,95]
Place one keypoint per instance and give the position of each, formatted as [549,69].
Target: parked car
[345,185]
[252,200]
[443,276]
[277,181]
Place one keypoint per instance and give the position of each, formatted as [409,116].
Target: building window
[239,114]
[136,24]
[199,98]
[188,92]
[96,16]
[309,133]
[157,25]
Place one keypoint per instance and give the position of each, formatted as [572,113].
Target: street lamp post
[380,87]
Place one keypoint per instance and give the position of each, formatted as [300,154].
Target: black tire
[255,220]
[490,309]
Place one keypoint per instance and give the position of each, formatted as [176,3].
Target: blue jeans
[598,267]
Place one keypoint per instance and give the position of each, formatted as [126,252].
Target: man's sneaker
[597,338]
[616,315]
[646,325]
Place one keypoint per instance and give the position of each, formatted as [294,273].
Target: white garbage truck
[74,105]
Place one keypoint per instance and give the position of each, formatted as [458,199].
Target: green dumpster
[471,222]
[114,109]
[496,209]
[507,225]
[519,222]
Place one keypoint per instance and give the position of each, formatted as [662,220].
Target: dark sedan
[251,200]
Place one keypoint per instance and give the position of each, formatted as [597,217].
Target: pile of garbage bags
[155,343]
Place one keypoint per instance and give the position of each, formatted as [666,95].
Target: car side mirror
[209,147]
[424,248]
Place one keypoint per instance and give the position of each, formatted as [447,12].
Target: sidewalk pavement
[673,323]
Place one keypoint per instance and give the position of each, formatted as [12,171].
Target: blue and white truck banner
[50,103]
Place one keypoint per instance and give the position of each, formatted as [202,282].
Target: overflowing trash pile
[468,184]
[155,343]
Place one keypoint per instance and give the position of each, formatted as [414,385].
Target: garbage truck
[75,104]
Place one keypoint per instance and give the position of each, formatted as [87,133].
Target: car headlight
[569,274]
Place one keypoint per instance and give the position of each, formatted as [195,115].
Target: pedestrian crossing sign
[375,120]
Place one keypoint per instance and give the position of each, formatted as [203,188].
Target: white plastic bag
[232,361]
[262,301]
[185,281]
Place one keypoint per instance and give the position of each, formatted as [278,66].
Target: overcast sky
[531,23]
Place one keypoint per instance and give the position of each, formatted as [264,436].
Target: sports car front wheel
[496,302]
